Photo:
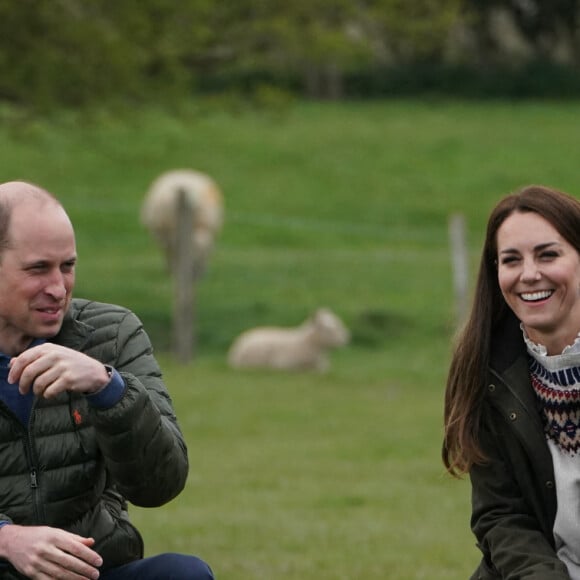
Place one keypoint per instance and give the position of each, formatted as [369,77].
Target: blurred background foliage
[100,52]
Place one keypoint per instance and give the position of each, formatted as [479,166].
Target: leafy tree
[320,40]
[550,27]
[308,38]
[73,52]
[404,31]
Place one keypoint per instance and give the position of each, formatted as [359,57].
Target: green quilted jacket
[76,466]
[514,494]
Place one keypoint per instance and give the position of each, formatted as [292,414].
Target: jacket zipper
[30,456]
[33,473]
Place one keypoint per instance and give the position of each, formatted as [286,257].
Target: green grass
[331,476]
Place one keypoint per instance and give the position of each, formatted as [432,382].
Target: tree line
[77,52]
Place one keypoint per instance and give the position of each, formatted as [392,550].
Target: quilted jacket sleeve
[504,520]
[139,437]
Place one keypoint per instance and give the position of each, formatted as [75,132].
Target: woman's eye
[508,260]
[548,255]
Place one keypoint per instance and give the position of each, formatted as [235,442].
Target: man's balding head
[37,265]
[13,193]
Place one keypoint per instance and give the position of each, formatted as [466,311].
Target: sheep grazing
[302,348]
[159,214]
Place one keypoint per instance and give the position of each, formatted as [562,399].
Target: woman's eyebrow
[537,248]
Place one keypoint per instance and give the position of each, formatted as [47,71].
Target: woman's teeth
[535,296]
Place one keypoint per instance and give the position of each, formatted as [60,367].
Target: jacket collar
[509,362]
[518,404]
[507,343]
[73,333]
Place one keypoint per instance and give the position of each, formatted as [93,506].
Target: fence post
[183,281]
[458,245]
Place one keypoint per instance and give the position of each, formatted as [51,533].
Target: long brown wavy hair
[470,360]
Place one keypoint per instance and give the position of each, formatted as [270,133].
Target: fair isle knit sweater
[556,382]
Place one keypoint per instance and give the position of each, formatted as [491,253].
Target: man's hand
[51,369]
[42,553]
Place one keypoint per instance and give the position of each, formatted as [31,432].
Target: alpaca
[159,214]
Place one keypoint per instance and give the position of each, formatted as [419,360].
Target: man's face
[37,274]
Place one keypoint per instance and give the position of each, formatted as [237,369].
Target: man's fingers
[25,368]
[41,552]
[81,549]
[40,373]
[51,369]
[49,383]
[72,558]
[68,568]
[74,568]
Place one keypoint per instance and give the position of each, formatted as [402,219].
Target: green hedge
[534,80]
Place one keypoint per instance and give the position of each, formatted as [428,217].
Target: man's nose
[56,286]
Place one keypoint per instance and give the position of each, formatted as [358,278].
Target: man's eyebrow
[35,263]
[44,261]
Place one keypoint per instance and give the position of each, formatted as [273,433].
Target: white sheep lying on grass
[301,348]
[159,213]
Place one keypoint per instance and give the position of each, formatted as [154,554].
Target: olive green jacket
[76,466]
[513,494]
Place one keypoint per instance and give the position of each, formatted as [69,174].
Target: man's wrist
[111,394]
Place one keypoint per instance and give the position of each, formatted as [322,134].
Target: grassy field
[332,476]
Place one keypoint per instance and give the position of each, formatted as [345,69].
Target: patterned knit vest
[558,393]
[556,382]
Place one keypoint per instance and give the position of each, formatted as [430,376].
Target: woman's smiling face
[539,277]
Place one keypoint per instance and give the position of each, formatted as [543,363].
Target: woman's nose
[530,271]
